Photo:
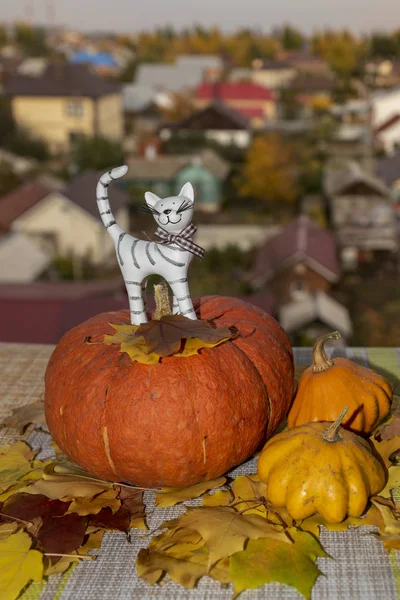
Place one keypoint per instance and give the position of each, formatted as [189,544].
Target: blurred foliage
[342,50]
[190,142]
[9,179]
[96,153]
[3,35]
[291,37]
[128,73]
[69,269]
[269,172]
[31,40]
[221,272]
[385,45]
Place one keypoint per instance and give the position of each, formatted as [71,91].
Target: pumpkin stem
[331,434]
[161,296]
[321,362]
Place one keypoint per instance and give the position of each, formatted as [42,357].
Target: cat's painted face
[173,213]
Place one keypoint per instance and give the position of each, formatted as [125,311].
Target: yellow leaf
[6,529]
[171,496]
[131,344]
[92,506]
[15,461]
[18,565]
[193,345]
[267,560]
[138,523]
[218,498]
[64,490]
[392,482]
[390,530]
[225,531]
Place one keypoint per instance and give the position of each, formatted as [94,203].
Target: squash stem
[161,297]
[331,434]
[320,359]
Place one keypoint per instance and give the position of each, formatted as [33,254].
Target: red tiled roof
[302,239]
[232,90]
[14,204]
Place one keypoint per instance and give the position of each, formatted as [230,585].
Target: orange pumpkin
[178,422]
[328,386]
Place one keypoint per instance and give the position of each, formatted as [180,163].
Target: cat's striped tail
[103,203]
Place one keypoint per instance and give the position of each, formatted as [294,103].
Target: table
[362,570]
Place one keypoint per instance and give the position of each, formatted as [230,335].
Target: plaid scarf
[182,239]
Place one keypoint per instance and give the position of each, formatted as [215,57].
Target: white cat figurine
[169,258]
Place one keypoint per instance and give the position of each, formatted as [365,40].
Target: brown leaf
[119,521]
[385,448]
[28,507]
[23,416]
[173,334]
[132,501]
[62,535]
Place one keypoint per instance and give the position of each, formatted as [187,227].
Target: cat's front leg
[180,289]
[136,303]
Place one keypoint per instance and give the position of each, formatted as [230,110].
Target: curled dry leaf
[172,496]
[170,335]
[91,506]
[61,535]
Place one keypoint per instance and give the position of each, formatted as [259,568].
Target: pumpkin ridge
[356,460]
[261,379]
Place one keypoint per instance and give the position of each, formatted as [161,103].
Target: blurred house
[244,237]
[382,73]
[350,142]
[298,261]
[387,135]
[103,63]
[272,74]
[21,165]
[217,122]
[252,100]
[312,89]
[308,318]
[385,105]
[388,169]
[64,220]
[42,312]
[185,74]
[21,259]
[361,214]
[65,102]
[302,60]
[166,174]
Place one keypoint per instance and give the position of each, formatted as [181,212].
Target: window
[74,109]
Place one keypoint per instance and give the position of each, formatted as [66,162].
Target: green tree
[7,126]
[96,153]
[32,40]
[9,179]
[3,36]
[128,73]
[291,38]
[382,45]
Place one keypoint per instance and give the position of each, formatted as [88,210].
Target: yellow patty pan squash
[327,386]
[320,468]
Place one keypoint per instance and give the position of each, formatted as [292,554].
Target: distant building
[387,135]
[388,169]
[303,61]
[300,260]
[66,102]
[361,214]
[166,174]
[185,74]
[272,74]
[102,62]
[217,122]
[21,259]
[308,318]
[385,105]
[252,100]
[64,220]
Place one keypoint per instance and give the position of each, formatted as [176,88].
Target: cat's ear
[151,199]
[187,191]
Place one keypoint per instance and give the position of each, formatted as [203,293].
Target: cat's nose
[166,212]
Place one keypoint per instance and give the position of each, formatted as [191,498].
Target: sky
[127,16]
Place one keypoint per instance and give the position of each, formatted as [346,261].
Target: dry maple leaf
[172,334]
[267,560]
[23,416]
[61,535]
[172,496]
